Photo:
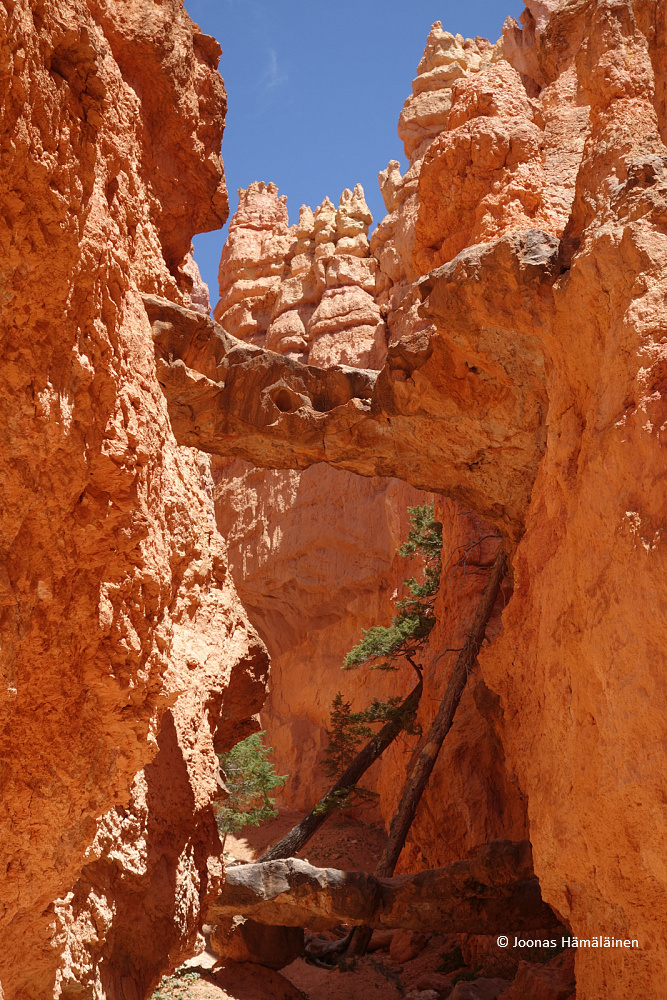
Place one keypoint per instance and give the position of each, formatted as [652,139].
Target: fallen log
[492,892]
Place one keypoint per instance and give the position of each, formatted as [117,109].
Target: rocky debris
[126,656]
[553,981]
[406,945]
[479,989]
[252,982]
[436,981]
[325,944]
[485,892]
[482,952]
[242,940]
[381,940]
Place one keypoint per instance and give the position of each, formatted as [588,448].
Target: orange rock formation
[313,553]
[500,341]
[535,377]
[305,291]
[126,656]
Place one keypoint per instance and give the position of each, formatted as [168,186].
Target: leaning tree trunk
[421,772]
[300,834]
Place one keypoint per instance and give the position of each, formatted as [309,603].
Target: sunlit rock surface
[536,377]
[126,656]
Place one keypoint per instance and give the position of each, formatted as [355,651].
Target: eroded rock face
[537,380]
[126,656]
[313,553]
[473,795]
[447,59]
[240,940]
[553,981]
[481,893]
[305,291]
[593,667]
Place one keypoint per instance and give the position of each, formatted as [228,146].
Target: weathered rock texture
[238,939]
[487,892]
[534,393]
[126,656]
[313,553]
[553,981]
[308,290]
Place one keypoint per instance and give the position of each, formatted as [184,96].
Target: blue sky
[315,90]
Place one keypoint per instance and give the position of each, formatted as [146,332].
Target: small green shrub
[250,778]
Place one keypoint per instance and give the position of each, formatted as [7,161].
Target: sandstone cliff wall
[313,553]
[529,384]
[125,653]
[535,377]
[582,634]
[567,140]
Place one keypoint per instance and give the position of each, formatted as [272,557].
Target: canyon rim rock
[126,656]
[536,380]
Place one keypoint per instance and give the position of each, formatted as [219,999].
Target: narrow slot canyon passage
[426,448]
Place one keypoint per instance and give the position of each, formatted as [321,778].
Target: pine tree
[382,646]
[250,778]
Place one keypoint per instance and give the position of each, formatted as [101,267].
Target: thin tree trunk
[300,834]
[418,778]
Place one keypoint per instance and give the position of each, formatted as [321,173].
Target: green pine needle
[383,645]
[250,779]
